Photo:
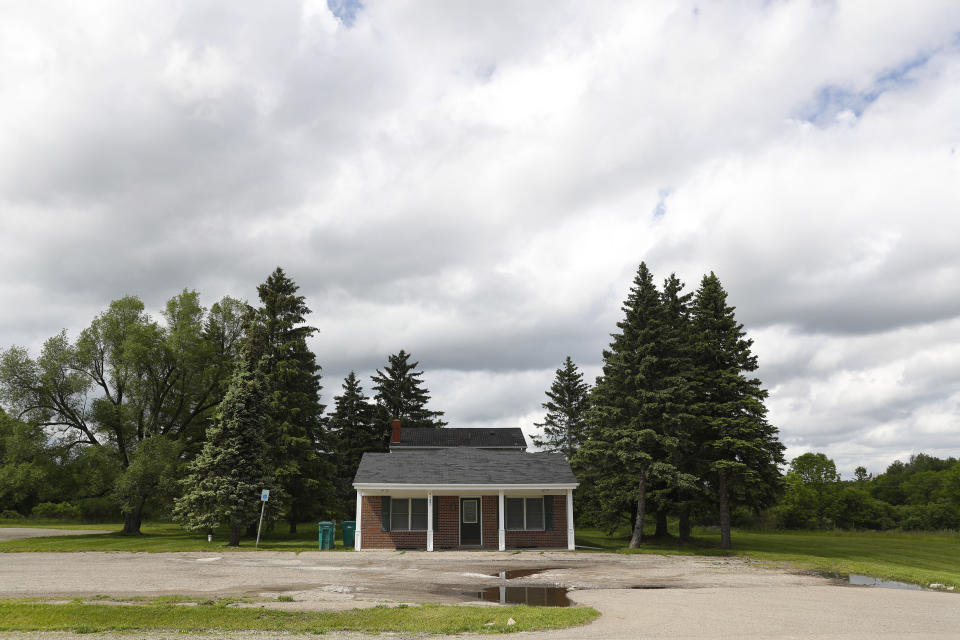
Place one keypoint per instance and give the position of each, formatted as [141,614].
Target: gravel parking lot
[640,596]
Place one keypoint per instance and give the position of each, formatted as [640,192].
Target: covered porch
[430,517]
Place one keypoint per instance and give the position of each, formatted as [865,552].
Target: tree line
[138,416]
[190,416]
[922,494]
[676,422]
[676,426]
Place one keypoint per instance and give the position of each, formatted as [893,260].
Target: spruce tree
[629,444]
[567,402]
[738,450]
[225,479]
[400,395]
[676,492]
[354,430]
[296,441]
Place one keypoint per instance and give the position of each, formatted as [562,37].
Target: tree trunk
[641,503]
[133,519]
[684,522]
[293,525]
[235,531]
[724,501]
[661,531]
[252,530]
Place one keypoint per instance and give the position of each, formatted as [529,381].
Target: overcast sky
[476,183]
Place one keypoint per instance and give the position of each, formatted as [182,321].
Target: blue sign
[265,495]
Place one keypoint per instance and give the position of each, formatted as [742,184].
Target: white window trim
[409,502]
[543,512]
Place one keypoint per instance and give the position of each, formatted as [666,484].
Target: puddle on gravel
[651,586]
[534,596]
[867,581]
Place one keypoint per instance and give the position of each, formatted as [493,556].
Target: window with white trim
[524,514]
[408,514]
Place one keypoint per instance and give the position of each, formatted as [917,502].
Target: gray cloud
[476,183]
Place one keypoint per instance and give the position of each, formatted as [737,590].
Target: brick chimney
[395,433]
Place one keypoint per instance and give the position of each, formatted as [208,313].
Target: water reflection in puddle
[534,596]
[867,581]
[511,574]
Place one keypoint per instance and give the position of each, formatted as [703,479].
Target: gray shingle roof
[464,466]
[460,437]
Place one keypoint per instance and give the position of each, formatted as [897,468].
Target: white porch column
[501,531]
[570,542]
[430,521]
[356,535]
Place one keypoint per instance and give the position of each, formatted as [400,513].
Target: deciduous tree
[127,378]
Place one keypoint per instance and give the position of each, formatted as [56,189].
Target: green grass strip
[160,538]
[429,618]
[917,558]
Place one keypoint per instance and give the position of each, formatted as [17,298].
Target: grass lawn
[917,558]
[18,615]
[156,537]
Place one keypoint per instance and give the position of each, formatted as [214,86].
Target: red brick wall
[555,538]
[490,522]
[446,534]
[373,537]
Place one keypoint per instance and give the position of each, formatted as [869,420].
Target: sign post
[264,496]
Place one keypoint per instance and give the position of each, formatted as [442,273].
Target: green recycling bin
[326,534]
[349,531]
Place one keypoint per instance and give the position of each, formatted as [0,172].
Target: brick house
[463,489]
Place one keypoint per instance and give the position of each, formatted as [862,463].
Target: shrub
[9,514]
[98,509]
[56,511]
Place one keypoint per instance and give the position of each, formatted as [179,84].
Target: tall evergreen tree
[738,449]
[400,394]
[225,479]
[567,402]
[296,442]
[674,396]
[355,430]
[629,443]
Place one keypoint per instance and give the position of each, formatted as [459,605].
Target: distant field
[156,537]
[917,558]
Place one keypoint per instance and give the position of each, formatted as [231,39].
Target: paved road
[699,598]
